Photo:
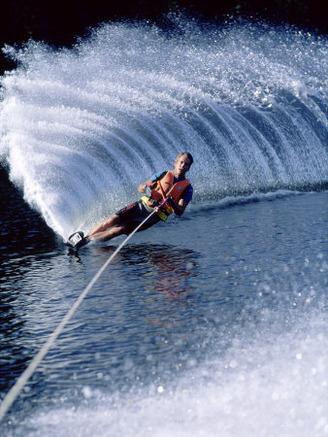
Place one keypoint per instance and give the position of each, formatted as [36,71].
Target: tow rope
[14,392]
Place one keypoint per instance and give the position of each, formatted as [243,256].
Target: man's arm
[151,181]
[143,186]
[178,208]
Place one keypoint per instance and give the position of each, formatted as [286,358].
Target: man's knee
[111,221]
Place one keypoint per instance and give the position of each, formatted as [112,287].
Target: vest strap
[161,214]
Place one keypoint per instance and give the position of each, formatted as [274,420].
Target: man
[167,192]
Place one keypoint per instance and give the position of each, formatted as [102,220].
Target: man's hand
[178,208]
[147,190]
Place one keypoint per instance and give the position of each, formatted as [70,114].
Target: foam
[82,127]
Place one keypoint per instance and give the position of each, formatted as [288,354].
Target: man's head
[182,164]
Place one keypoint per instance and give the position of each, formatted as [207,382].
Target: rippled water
[211,324]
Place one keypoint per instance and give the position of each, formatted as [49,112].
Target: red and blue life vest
[164,188]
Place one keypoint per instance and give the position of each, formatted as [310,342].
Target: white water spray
[81,128]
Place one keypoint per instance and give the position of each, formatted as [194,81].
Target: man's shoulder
[158,175]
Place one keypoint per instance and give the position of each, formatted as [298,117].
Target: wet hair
[187,154]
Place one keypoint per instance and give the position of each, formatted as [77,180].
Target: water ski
[76,240]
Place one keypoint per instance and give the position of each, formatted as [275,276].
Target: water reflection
[171,270]
[166,269]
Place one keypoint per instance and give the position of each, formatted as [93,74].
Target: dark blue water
[210,324]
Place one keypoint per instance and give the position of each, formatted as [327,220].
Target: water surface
[210,324]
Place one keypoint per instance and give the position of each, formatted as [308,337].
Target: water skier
[171,185]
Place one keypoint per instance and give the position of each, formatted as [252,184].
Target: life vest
[163,188]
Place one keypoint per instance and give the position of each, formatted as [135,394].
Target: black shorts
[132,215]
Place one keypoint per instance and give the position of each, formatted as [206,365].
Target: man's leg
[118,224]
[107,235]
[106,230]
[104,225]
[103,231]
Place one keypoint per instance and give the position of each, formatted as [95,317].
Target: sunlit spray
[82,127]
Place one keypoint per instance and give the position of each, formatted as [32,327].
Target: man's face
[181,166]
